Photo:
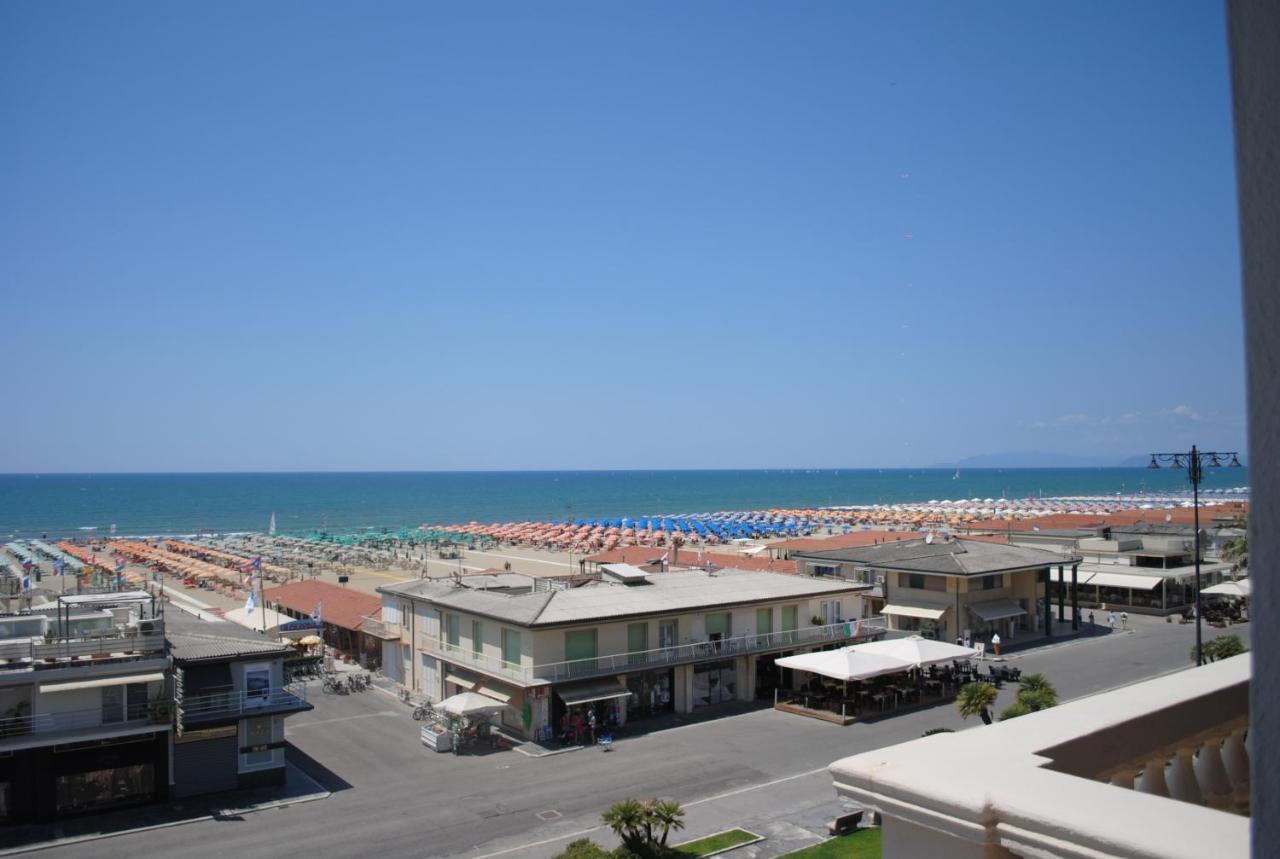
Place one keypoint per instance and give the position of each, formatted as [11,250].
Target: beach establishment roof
[1241,588]
[470,704]
[108,599]
[923,612]
[844,664]
[948,557]
[874,658]
[663,593]
[917,651]
[339,606]
[253,618]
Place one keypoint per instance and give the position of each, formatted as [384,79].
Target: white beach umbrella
[1240,588]
[845,664]
[470,704]
[916,651]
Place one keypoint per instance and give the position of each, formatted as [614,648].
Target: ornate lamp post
[1194,463]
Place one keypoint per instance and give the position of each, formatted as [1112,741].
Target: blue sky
[244,236]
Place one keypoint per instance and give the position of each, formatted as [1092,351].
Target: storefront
[714,683]
[1003,617]
[652,692]
[582,712]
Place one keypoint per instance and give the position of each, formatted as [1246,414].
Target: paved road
[763,768]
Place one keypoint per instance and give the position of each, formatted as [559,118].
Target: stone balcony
[1156,769]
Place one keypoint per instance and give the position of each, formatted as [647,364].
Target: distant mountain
[1040,459]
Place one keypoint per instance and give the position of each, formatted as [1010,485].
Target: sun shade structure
[845,664]
[917,651]
[914,611]
[1240,588]
[470,704]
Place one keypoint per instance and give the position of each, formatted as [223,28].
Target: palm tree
[665,814]
[975,699]
[1039,686]
[626,818]
[1237,551]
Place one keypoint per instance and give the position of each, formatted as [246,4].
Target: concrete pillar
[1062,593]
[1235,760]
[1048,606]
[1181,778]
[1211,775]
[1152,779]
[1123,779]
[1075,598]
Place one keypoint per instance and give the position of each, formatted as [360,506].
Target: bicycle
[331,683]
[423,710]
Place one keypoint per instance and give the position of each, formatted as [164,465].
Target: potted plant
[817,621]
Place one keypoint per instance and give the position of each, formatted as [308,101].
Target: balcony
[112,645]
[380,629]
[679,654]
[230,704]
[1156,769]
[73,725]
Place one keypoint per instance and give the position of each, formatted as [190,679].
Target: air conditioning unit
[149,626]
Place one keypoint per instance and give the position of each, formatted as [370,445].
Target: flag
[249,604]
[26,583]
[315,612]
[857,624]
[119,568]
[57,567]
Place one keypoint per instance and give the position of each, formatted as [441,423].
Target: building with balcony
[627,645]
[230,702]
[1156,769]
[949,589]
[85,715]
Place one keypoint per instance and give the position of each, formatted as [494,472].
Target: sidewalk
[298,787]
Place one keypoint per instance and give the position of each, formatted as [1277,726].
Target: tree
[1036,700]
[1041,690]
[1237,551]
[626,819]
[666,815]
[1222,647]
[975,699]
[1013,711]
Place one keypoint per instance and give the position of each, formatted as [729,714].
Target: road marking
[752,787]
[541,843]
[549,815]
[296,725]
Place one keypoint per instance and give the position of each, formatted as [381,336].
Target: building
[948,588]
[230,703]
[1156,769]
[85,709]
[342,613]
[1146,568]
[629,644]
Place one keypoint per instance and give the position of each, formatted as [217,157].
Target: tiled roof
[673,592]
[949,557]
[192,647]
[687,557]
[339,606]
[843,541]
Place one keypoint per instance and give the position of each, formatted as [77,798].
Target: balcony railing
[380,628]
[72,721]
[691,651]
[228,703]
[41,653]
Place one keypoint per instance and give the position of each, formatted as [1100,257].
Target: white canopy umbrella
[845,664]
[916,651]
[1240,588]
[470,704]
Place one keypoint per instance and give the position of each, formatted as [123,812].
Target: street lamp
[1194,462]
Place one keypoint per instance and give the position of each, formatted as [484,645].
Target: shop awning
[99,682]
[495,694]
[1120,580]
[460,681]
[585,693]
[914,611]
[996,609]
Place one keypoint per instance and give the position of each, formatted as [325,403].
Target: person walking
[1124,620]
[1111,621]
[1091,617]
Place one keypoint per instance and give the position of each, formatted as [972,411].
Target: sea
[68,505]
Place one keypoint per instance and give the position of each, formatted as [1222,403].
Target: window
[124,702]
[405,652]
[257,684]
[824,570]
[668,633]
[257,749]
[922,582]
[452,629]
[764,621]
[830,612]
[718,625]
[788,618]
[510,647]
[477,637]
[580,650]
[637,642]
[105,787]
[991,583]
